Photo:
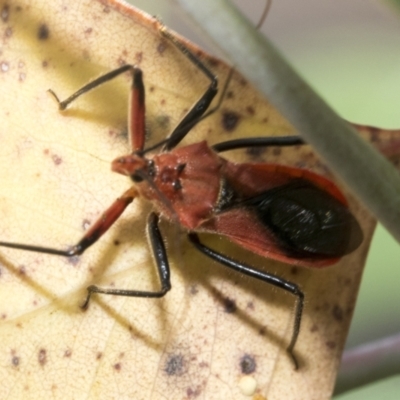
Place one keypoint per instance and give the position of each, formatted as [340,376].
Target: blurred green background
[349,51]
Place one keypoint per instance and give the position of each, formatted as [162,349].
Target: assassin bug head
[135,166]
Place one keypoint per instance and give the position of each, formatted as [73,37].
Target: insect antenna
[264,14]
[151,148]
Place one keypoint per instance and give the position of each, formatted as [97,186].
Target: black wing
[306,220]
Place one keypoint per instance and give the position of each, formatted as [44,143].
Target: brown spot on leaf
[250,110]
[192,393]
[175,365]
[294,271]
[161,47]
[43,32]
[45,64]
[276,151]
[337,313]
[230,120]
[5,13]
[67,353]
[56,159]
[255,152]
[99,355]
[247,364]
[229,305]
[42,357]
[15,361]
[204,364]
[117,367]
[331,344]
[193,290]
[139,57]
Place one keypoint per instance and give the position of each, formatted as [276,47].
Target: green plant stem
[368,363]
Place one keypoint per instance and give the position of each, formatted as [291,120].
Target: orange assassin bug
[279,212]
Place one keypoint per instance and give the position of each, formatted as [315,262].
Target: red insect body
[187,186]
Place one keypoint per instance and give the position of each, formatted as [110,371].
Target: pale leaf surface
[214,325]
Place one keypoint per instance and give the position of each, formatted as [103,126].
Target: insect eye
[137,178]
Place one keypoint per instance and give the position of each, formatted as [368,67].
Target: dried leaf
[214,327]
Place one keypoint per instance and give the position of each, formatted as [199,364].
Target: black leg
[161,259]
[196,113]
[91,236]
[93,84]
[265,277]
[258,142]
[136,121]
